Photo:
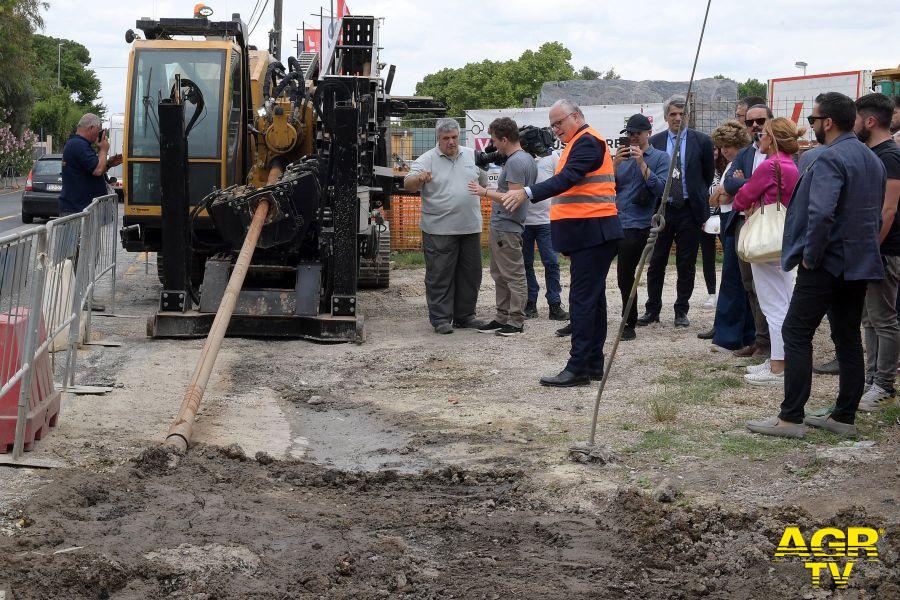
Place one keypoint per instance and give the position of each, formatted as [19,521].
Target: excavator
[215,129]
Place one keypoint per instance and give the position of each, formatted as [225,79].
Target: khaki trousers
[508,272]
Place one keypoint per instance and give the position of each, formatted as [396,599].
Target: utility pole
[276,31]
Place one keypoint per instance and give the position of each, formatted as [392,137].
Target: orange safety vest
[593,196]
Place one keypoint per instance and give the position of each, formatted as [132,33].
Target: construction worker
[584,225]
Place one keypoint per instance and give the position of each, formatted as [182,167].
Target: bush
[15,151]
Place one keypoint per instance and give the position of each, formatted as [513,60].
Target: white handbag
[761,236]
[713,225]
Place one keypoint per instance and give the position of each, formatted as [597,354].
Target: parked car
[42,188]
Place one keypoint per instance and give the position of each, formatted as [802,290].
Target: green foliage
[495,84]
[719,76]
[752,87]
[588,74]
[57,115]
[18,19]
[611,74]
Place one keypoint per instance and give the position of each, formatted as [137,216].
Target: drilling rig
[218,131]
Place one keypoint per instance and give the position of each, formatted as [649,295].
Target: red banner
[312,40]
[342,9]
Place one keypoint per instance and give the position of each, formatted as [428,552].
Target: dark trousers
[734,324]
[587,306]
[452,276]
[759,319]
[541,235]
[708,250]
[684,232]
[629,255]
[816,292]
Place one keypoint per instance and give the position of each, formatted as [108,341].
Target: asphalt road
[11,212]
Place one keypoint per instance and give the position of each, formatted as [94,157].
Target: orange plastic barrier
[404,218]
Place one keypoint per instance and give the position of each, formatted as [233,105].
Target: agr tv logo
[828,548]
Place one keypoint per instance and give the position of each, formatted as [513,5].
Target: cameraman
[505,237]
[641,172]
[584,225]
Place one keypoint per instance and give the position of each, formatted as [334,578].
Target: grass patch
[664,444]
[687,387]
[757,447]
[408,260]
[663,408]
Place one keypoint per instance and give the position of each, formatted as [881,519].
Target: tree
[495,84]
[720,76]
[751,87]
[588,74]
[611,74]
[18,20]
[59,107]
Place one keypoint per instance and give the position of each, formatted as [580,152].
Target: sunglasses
[760,121]
[811,119]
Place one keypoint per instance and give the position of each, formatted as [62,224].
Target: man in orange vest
[584,225]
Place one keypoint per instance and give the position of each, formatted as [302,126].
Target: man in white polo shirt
[451,228]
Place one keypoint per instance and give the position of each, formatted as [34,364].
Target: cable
[657,224]
[261,13]
[253,12]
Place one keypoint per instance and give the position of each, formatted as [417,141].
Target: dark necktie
[677,190]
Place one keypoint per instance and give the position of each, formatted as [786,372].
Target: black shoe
[557,313]
[829,368]
[628,334]
[531,309]
[648,318]
[566,379]
[565,331]
[472,323]
[510,330]
[707,335]
[490,327]
[595,375]
[681,321]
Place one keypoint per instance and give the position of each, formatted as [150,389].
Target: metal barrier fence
[48,276]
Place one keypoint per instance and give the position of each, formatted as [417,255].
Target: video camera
[536,141]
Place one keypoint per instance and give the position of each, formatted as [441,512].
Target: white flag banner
[608,119]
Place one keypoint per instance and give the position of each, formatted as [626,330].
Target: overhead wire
[261,13]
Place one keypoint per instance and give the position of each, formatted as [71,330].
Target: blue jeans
[734,316]
[541,235]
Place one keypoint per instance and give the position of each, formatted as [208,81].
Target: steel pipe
[182,429]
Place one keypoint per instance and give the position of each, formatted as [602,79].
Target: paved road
[11,211]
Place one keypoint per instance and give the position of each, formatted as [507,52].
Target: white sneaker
[710,302]
[765,378]
[875,399]
[765,366]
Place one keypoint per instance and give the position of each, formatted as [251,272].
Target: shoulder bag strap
[778,182]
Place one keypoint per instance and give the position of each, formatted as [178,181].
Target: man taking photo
[584,225]
[83,169]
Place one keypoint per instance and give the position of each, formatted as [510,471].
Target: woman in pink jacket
[774,287]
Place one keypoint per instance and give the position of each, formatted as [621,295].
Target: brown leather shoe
[745,352]
[762,352]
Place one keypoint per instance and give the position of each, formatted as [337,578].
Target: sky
[652,39]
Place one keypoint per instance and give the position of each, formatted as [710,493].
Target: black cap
[637,123]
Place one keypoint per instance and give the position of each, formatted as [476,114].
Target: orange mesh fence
[404,218]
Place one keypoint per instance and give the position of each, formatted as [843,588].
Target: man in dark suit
[831,235]
[686,212]
[744,165]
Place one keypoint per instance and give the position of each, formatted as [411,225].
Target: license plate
[54,187]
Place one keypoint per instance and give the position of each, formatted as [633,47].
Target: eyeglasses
[760,121]
[556,124]
[811,119]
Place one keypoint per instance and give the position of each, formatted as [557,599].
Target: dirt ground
[422,466]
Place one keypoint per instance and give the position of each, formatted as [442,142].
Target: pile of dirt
[216,524]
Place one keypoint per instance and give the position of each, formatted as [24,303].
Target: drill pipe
[180,433]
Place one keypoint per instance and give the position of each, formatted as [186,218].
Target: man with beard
[831,235]
[882,332]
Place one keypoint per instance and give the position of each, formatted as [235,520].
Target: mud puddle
[349,440]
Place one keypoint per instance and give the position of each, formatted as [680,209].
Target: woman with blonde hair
[771,183]
[733,327]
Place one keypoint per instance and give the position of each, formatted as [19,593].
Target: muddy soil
[424,466]
[220,525]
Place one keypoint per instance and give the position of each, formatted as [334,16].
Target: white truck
[116,128]
[793,97]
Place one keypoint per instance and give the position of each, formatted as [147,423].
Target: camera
[536,141]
